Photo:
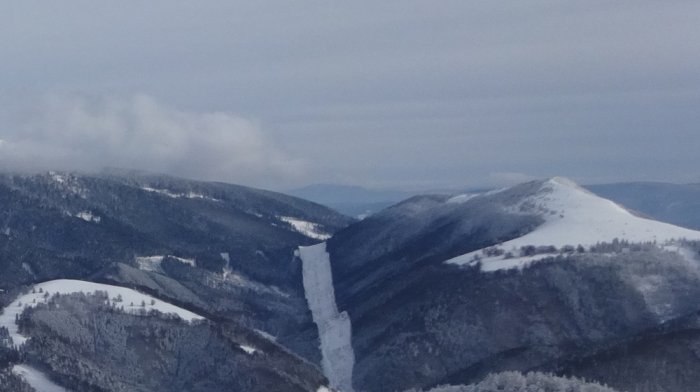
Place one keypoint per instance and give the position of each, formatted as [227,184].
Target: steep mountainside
[419,320]
[219,250]
[572,215]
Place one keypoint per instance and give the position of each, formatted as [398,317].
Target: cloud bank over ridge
[77,133]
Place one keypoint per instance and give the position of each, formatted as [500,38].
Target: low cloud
[74,133]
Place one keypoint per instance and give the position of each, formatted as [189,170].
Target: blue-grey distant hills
[674,203]
[350,200]
[357,201]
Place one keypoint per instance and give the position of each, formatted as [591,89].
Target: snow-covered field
[334,328]
[575,216]
[131,300]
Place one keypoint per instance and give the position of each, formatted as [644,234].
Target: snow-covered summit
[573,216]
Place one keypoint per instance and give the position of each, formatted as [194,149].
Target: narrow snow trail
[334,328]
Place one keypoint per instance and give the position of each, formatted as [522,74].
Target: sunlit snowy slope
[573,216]
[131,300]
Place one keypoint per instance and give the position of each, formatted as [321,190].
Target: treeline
[530,382]
[614,246]
[9,382]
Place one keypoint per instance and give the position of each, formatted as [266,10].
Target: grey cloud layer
[394,92]
[76,133]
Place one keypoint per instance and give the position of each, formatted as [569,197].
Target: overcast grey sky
[413,94]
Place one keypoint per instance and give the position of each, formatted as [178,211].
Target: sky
[385,94]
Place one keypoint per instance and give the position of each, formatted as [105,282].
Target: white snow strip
[227,268]
[36,379]
[153,263]
[149,263]
[248,349]
[334,328]
[188,195]
[575,216]
[28,268]
[88,216]
[190,262]
[515,262]
[132,302]
[459,199]
[309,229]
[266,335]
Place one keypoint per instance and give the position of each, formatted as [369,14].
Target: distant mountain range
[350,200]
[674,203]
[129,281]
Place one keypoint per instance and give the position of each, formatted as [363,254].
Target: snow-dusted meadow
[132,301]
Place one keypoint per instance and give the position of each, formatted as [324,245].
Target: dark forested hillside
[87,345]
[426,322]
[221,250]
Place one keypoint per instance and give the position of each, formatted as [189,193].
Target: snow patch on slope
[309,229]
[248,349]
[173,195]
[573,216]
[459,199]
[153,263]
[36,379]
[334,328]
[88,216]
[131,300]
